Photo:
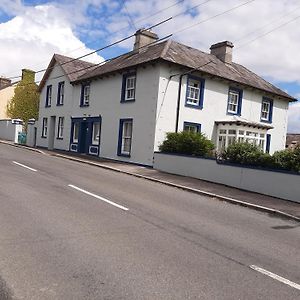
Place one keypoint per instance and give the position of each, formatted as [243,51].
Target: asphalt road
[73,231]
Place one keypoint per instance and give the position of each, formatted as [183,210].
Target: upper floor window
[234,105]
[125,137]
[128,87]
[61,93]
[85,95]
[45,127]
[191,127]
[49,95]
[266,110]
[60,128]
[195,92]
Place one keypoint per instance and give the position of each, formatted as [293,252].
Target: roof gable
[72,68]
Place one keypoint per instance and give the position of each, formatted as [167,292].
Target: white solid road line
[21,165]
[276,277]
[98,197]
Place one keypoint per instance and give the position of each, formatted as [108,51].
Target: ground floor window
[60,128]
[96,133]
[191,127]
[228,136]
[45,127]
[75,132]
[125,137]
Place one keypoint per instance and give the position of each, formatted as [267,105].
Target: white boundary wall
[9,131]
[273,183]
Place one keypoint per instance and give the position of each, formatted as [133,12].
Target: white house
[123,109]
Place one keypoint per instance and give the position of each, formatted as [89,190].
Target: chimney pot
[223,51]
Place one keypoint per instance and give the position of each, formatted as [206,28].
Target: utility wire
[268,32]
[96,65]
[100,49]
[128,15]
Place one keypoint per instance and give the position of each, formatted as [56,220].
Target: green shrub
[189,143]
[288,159]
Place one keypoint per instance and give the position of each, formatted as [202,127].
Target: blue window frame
[60,93]
[128,87]
[268,143]
[194,92]
[266,110]
[125,137]
[235,98]
[192,127]
[85,94]
[49,96]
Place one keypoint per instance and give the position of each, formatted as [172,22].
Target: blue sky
[32,30]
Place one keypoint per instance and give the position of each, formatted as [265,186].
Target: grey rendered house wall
[105,101]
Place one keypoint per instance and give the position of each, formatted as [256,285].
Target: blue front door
[85,135]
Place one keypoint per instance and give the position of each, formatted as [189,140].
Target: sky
[265,33]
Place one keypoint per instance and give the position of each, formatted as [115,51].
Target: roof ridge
[166,48]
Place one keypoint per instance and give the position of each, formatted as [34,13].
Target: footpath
[273,206]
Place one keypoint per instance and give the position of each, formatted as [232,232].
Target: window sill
[129,100]
[233,114]
[59,104]
[84,105]
[43,137]
[266,121]
[46,106]
[196,106]
[124,154]
[59,138]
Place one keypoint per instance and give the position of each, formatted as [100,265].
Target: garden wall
[279,184]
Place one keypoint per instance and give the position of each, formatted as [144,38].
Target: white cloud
[31,38]
[294,118]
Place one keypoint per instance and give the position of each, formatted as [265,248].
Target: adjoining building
[292,140]
[123,109]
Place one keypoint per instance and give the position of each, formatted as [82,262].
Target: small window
[194,92]
[85,95]
[266,110]
[234,105]
[125,137]
[45,128]
[96,133]
[75,132]
[60,128]
[128,87]
[49,96]
[61,93]
[192,127]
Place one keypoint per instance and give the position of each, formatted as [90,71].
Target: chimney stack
[143,38]
[4,82]
[28,75]
[223,51]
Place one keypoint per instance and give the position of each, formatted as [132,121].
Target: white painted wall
[57,111]
[214,108]
[276,184]
[9,131]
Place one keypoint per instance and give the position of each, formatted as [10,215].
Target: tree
[25,102]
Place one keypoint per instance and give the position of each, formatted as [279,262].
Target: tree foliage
[25,102]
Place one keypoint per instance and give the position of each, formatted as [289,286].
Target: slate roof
[72,68]
[293,138]
[171,51]
[236,120]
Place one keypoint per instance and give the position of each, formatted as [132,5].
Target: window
[75,132]
[125,137]
[128,87]
[85,95]
[268,143]
[48,95]
[45,128]
[234,106]
[191,127]
[194,92]
[229,136]
[266,110]
[96,133]
[60,128]
[61,93]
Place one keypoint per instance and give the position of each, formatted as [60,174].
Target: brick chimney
[4,82]
[28,75]
[223,51]
[143,38]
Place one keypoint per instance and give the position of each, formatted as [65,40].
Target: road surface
[74,231]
